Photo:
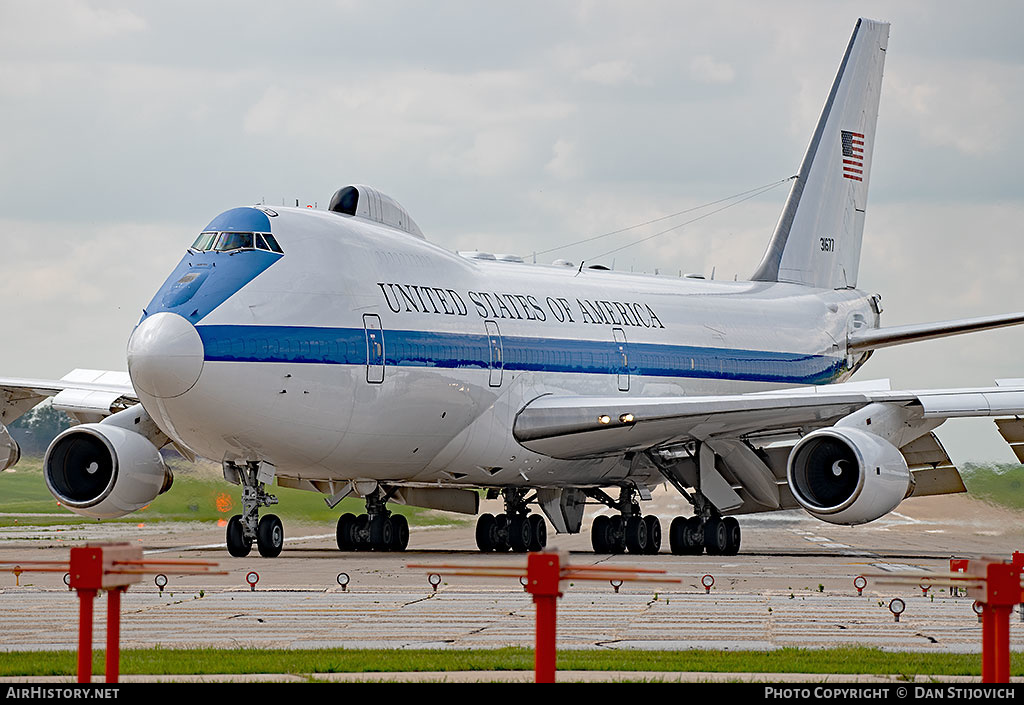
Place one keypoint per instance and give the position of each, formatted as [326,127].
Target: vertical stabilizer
[818,237]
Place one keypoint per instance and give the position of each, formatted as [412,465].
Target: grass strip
[160,661]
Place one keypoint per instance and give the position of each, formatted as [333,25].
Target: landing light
[604,419]
[626,418]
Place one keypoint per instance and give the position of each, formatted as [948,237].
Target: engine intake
[847,475]
[104,471]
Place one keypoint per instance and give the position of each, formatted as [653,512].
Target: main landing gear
[244,528]
[629,530]
[692,536]
[376,530]
[516,530]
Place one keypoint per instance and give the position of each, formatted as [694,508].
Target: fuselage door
[374,348]
[496,360]
[622,358]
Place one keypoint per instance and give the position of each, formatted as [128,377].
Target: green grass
[158,661]
[196,495]
[1001,484]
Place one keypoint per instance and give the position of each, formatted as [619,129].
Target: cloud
[707,69]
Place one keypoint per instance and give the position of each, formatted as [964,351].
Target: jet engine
[10,451]
[846,475]
[104,471]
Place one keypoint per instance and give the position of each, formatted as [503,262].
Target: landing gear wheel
[676,539]
[636,535]
[716,537]
[270,536]
[653,534]
[361,533]
[238,545]
[519,534]
[733,534]
[501,533]
[617,535]
[538,532]
[346,540]
[401,536]
[599,534]
[694,536]
[486,533]
[382,533]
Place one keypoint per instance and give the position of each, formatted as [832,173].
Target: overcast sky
[506,127]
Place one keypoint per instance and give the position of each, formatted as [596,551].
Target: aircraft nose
[165,355]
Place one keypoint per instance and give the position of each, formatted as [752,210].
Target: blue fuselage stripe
[409,348]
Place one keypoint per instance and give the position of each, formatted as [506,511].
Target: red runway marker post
[545,574]
[111,567]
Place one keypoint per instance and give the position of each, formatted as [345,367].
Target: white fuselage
[364,352]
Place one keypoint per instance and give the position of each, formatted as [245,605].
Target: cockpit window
[231,242]
[204,241]
[272,241]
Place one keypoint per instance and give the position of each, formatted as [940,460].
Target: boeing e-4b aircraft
[339,351]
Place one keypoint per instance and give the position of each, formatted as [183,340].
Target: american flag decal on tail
[853,155]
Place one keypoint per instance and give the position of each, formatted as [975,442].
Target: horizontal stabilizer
[873,338]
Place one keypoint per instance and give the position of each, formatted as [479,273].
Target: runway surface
[791,585]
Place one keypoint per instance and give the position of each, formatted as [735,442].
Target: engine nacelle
[104,471]
[10,451]
[847,475]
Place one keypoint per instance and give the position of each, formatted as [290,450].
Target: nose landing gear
[245,528]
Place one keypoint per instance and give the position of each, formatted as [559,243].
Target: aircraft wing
[86,395]
[571,427]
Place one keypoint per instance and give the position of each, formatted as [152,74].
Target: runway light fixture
[707,581]
[67,580]
[252,577]
[924,589]
[979,609]
[524,581]
[860,582]
[435,580]
[343,580]
[896,606]
[616,583]
[161,582]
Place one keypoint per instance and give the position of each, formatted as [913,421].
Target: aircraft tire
[617,534]
[519,534]
[238,545]
[501,533]
[346,522]
[486,533]
[270,536]
[733,536]
[677,540]
[599,534]
[401,537]
[636,535]
[538,532]
[653,534]
[382,533]
[716,537]
[361,533]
